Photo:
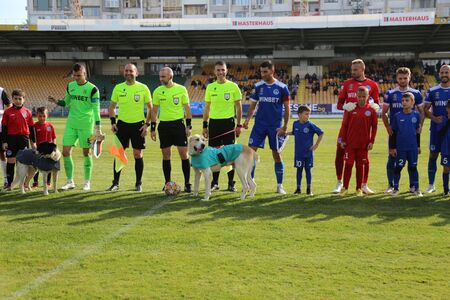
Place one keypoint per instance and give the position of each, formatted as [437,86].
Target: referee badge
[226,96]
[137,98]
[176,100]
[368,113]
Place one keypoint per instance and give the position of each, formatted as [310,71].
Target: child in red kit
[358,132]
[45,132]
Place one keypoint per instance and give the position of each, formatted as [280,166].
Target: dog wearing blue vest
[206,160]
[44,159]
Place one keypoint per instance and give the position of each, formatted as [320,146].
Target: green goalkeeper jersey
[83,102]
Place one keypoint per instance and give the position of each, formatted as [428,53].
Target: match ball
[172,188]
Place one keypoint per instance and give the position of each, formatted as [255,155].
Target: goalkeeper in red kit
[348,101]
[358,132]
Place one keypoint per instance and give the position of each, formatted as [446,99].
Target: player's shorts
[306,162]
[218,127]
[358,155]
[435,141]
[130,131]
[72,136]
[16,143]
[409,156]
[445,160]
[258,137]
[172,133]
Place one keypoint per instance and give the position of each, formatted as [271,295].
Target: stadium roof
[345,36]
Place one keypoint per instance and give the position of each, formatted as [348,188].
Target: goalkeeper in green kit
[82,99]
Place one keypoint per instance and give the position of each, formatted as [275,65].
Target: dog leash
[218,136]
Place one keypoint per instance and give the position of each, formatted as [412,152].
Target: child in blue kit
[303,130]
[405,142]
[445,151]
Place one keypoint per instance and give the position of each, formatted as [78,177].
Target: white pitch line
[84,253]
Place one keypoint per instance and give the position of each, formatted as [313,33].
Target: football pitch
[101,245]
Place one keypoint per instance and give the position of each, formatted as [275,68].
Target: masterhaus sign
[419,18]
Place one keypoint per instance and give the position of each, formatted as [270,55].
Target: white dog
[207,160]
[45,160]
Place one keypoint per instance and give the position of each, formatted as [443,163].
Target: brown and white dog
[45,160]
[207,160]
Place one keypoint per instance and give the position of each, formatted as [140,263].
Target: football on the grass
[172,188]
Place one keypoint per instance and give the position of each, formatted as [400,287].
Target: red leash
[218,136]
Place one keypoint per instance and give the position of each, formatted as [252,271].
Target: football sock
[167,168]
[279,171]
[68,167]
[445,177]
[139,169]
[185,165]
[10,172]
[432,168]
[87,167]
[308,176]
[299,178]
[390,169]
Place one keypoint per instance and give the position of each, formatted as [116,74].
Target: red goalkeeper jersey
[359,127]
[350,88]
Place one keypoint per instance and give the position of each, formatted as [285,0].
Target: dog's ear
[56,155]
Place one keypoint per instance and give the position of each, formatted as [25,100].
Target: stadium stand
[38,82]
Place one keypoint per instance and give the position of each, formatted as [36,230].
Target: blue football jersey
[270,98]
[405,127]
[393,98]
[304,138]
[445,146]
[438,97]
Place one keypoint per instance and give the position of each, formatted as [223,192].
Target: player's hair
[408,95]
[266,64]
[303,108]
[403,70]
[18,92]
[220,63]
[42,110]
[78,67]
[363,89]
[358,62]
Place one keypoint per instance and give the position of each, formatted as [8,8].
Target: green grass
[98,245]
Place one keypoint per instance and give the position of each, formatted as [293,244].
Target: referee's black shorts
[218,127]
[130,131]
[172,133]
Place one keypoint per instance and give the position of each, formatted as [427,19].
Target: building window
[195,10]
[261,2]
[62,4]
[91,11]
[42,5]
[240,14]
[131,3]
[240,2]
[112,3]
[218,2]
[219,15]
[278,1]
[331,1]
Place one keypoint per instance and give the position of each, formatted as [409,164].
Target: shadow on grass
[99,206]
